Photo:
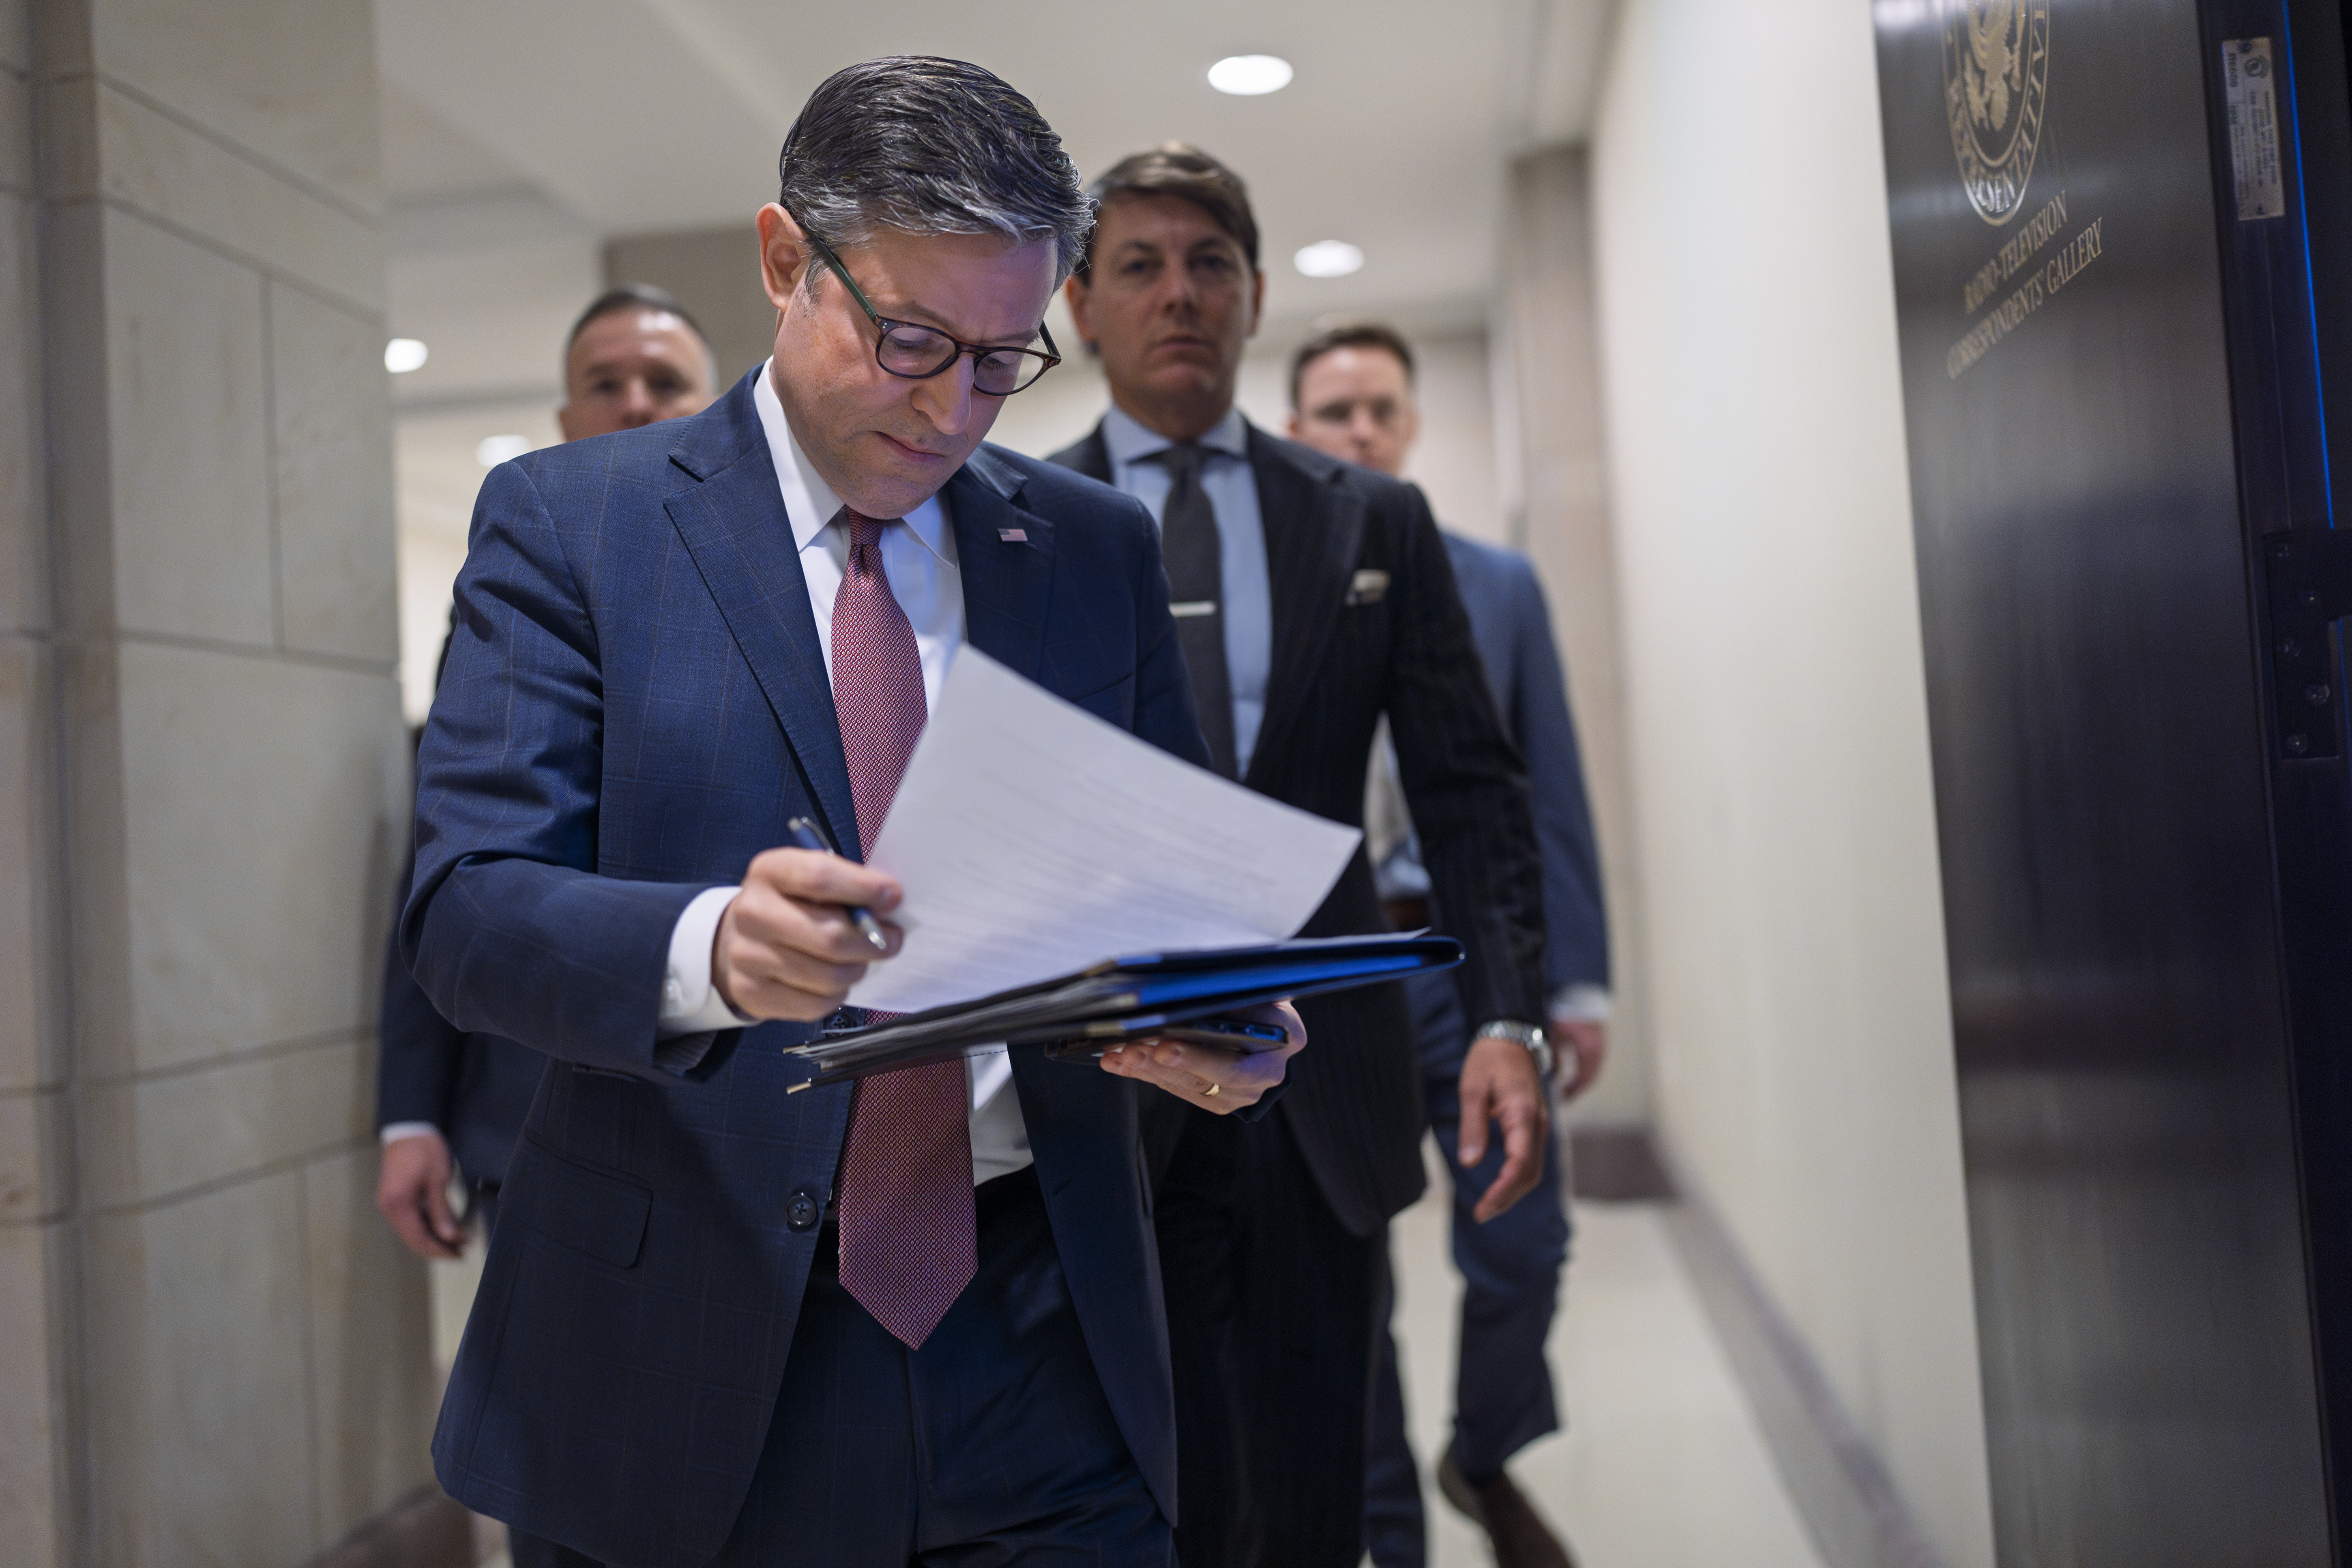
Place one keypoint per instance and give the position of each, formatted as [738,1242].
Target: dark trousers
[1271,1318]
[991,1445]
[1511,1274]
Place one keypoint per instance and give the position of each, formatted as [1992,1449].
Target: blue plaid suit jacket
[636,703]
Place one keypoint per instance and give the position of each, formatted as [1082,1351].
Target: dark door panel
[2111,386]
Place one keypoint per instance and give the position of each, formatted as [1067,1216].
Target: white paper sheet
[1033,840]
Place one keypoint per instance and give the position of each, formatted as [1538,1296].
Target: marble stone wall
[217,1351]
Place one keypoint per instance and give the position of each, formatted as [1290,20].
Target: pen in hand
[807,835]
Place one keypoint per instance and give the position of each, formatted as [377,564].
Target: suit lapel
[735,526]
[1090,455]
[1312,541]
[1006,582]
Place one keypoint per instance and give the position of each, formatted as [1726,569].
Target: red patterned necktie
[908,1230]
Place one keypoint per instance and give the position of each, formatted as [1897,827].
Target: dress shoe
[1520,1537]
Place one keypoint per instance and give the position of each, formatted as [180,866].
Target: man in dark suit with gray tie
[1312,597]
[723,1323]
[1352,395]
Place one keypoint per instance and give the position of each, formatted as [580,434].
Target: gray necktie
[1196,592]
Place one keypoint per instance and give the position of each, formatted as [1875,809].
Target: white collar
[809,501]
[1128,439]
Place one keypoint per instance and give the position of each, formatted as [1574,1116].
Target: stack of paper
[1036,842]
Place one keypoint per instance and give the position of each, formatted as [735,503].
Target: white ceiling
[519,134]
[634,116]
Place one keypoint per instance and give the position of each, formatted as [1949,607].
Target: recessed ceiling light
[403,354]
[1246,76]
[497,449]
[1328,258]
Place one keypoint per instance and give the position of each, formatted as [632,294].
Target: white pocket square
[1367,587]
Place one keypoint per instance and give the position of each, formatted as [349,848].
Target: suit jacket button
[802,1210]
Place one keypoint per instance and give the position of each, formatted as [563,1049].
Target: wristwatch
[1528,1035]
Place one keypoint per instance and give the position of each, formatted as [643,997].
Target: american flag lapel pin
[1012,535]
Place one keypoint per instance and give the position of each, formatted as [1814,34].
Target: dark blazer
[1343,654]
[1512,626]
[635,703]
[475,1087]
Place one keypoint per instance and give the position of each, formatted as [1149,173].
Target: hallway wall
[215,1347]
[1792,936]
[1553,479]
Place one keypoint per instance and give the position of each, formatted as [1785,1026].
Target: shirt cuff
[394,1131]
[690,1005]
[1579,1004]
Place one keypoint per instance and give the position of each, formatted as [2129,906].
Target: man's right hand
[412,1191]
[785,948]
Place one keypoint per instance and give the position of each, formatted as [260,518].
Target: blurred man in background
[447,1101]
[1352,395]
[1309,596]
[634,357]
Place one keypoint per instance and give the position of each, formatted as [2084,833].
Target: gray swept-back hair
[929,146]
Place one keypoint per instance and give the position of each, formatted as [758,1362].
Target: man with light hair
[1352,396]
[916,1321]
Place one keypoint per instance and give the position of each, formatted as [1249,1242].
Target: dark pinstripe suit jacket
[636,703]
[1343,654]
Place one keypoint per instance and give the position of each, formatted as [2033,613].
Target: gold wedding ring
[1210,1090]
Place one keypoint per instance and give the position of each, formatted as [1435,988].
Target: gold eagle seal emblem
[1996,73]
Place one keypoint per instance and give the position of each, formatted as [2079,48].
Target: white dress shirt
[1227,480]
[920,560]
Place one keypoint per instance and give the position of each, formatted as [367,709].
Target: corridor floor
[1662,1464]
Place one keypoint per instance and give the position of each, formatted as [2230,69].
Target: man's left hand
[1583,1047]
[1499,1083]
[1222,1081]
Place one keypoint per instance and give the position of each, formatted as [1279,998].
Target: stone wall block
[15,132]
[191,449]
[24,533]
[331,447]
[263,804]
[64,33]
[154,163]
[15,36]
[29,1427]
[80,444]
[30,1050]
[292,82]
[153,1138]
[67,152]
[201,1452]
[369,1306]
[97,912]
[33,1144]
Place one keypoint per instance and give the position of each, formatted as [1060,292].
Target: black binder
[1121,998]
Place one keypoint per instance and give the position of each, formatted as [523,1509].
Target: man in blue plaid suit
[689,1346]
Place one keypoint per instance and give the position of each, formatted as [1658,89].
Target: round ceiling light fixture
[404,354]
[1328,258]
[1247,76]
[496,449]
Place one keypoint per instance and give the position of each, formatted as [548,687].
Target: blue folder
[1121,998]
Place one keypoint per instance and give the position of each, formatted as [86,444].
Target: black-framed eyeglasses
[913,352]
